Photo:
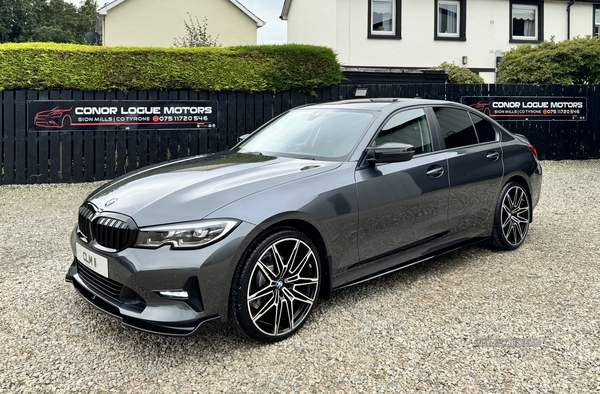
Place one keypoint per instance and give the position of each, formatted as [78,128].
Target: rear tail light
[532,149]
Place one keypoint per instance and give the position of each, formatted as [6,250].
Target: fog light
[179,294]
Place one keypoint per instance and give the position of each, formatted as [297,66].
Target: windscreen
[315,133]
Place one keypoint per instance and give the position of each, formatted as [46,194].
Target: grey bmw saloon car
[322,197]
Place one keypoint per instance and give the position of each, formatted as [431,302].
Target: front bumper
[135,276]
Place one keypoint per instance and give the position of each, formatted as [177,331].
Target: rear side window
[485,130]
[456,127]
[408,127]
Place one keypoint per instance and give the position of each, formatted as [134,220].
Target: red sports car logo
[482,107]
[55,118]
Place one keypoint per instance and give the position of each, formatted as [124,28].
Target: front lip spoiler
[175,330]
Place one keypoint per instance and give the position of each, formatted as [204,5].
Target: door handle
[435,171]
[493,156]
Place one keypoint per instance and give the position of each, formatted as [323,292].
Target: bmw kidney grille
[108,232]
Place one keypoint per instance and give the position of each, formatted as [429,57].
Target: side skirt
[405,264]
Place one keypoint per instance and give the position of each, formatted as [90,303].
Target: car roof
[377,104]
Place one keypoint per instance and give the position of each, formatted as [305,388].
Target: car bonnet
[191,189]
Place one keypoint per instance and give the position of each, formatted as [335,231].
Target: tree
[18,18]
[6,20]
[47,21]
[88,16]
[553,63]
[196,35]
[457,74]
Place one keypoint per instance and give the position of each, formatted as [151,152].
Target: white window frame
[536,15]
[439,19]
[378,32]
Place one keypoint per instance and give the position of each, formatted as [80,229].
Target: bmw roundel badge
[110,202]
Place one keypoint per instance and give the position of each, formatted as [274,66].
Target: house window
[526,21]
[597,21]
[384,18]
[450,19]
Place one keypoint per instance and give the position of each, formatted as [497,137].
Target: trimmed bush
[457,74]
[575,61]
[40,66]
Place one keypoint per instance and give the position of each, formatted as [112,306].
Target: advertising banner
[530,108]
[59,115]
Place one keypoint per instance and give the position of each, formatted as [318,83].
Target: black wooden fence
[85,156]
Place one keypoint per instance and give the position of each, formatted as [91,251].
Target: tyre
[276,286]
[512,217]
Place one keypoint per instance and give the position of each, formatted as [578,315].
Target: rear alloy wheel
[512,218]
[276,287]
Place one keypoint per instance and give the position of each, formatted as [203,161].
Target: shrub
[568,62]
[196,35]
[38,66]
[457,74]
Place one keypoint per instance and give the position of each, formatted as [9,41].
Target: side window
[407,127]
[456,127]
[485,130]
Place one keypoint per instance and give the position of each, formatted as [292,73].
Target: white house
[158,22]
[425,33]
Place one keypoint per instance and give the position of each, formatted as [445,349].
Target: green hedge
[575,61]
[40,66]
[459,75]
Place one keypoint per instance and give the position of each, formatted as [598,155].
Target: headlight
[185,235]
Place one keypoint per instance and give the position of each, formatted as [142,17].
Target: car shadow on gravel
[207,345]
[407,277]
[216,340]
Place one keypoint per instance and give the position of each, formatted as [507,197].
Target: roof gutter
[259,22]
[103,10]
[286,9]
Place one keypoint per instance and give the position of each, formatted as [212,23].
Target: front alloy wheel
[276,286]
[513,215]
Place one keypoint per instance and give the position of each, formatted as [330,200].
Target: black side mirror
[390,152]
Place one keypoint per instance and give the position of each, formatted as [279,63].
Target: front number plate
[92,260]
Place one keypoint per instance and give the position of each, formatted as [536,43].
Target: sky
[274,32]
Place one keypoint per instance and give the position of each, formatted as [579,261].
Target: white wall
[582,19]
[313,22]
[488,29]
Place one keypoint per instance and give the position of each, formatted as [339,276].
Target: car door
[403,204]
[475,166]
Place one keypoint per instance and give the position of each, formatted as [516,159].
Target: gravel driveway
[474,320]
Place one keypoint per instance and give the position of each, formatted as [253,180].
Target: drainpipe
[569,19]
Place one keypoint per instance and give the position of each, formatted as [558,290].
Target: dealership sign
[44,115]
[530,108]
